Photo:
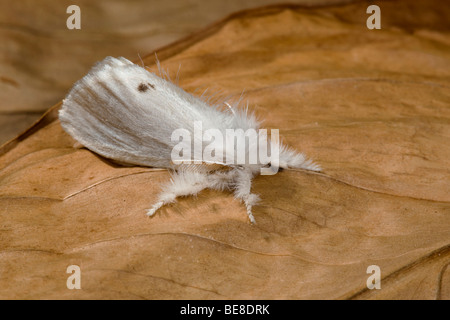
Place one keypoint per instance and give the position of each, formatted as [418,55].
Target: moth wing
[123,112]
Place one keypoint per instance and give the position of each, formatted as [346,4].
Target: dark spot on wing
[144,87]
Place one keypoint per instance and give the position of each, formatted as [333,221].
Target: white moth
[128,114]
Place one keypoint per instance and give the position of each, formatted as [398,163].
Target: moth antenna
[290,158]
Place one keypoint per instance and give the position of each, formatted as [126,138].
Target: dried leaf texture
[371,106]
[42,58]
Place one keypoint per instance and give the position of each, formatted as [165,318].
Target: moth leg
[242,191]
[183,183]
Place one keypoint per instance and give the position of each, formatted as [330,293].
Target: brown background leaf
[42,58]
[371,106]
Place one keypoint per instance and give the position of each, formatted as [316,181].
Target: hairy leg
[242,191]
[183,183]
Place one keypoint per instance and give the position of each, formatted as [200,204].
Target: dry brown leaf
[42,58]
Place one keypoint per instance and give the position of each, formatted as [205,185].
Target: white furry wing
[123,112]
